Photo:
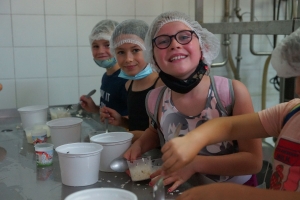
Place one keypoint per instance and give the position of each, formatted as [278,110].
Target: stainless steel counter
[20,178]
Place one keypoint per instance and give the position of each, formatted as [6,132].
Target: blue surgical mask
[106,63]
[142,74]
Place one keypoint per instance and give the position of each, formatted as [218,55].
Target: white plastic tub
[102,193]
[65,130]
[79,163]
[32,115]
[114,145]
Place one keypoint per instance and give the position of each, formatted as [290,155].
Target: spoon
[159,190]
[119,164]
[88,95]
[106,125]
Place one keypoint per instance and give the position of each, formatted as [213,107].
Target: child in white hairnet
[182,51]
[127,45]
[113,92]
[280,121]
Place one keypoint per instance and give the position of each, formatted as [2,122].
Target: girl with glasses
[127,46]
[182,51]
[280,121]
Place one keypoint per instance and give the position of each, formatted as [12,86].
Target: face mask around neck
[184,86]
[109,63]
[142,74]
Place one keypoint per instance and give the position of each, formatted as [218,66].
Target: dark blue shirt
[113,93]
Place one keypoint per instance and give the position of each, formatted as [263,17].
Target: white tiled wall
[45,56]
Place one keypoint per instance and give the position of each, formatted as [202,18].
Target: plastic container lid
[112,138]
[64,122]
[43,147]
[79,149]
[102,193]
[32,108]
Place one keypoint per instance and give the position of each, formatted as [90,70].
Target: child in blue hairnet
[113,92]
[128,46]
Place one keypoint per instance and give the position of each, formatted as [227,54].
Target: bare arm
[229,191]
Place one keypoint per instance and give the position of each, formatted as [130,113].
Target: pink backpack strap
[152,102]
[224,93]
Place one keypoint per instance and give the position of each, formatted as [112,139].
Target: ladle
[119,164]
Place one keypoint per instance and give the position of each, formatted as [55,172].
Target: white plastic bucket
[102,193]
[114,145]
[44,154]
[79,163]
[32,115]
[65,130]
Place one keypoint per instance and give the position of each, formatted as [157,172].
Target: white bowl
[65,130]
[102,193]
[32,115]
[79,163]
[114,145]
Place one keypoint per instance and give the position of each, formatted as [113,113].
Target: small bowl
[140,169]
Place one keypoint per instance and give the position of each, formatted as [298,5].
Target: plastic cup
[44,154]
[140,169]
[39,136]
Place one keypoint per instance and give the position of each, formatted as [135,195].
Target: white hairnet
[209,43]
[286,56]
[129,31]
[103,30]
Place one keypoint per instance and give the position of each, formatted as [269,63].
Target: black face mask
[184,86]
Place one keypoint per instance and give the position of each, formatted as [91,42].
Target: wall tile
[58,7]
[127,7]
[148,20]
[32,92]
[120,18]
[5,7]
[148,8]
[85,24]
[7,63]
[61,31]
[87,66]
[91,7]
[8,94]
[171,5]
[5,31]
[192,9]
[30,62]
[62,61]
[28,30]
[27,7]
[63,91]
[209,10]
[89,83]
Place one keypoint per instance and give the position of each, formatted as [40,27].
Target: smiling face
[100,50]
[130,58]
[177,60]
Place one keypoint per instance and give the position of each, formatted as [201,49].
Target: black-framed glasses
[182,37]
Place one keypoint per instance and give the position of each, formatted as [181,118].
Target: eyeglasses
[182,37]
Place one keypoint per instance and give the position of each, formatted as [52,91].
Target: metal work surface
[20,178]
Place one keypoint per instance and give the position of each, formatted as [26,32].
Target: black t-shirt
[138,118]
[113,93]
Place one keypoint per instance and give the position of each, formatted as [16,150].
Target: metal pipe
[226,41]
[239,46]
[251,35]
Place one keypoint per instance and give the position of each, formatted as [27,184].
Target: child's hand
[177,153]
[194,193]
[88,104]
[114,118]
[133,152]
[177,178]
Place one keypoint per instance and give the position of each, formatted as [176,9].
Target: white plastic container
[65,130]
[102,193]
[140,169]
[114,145]
[79,163]
[32,115]
[44,154]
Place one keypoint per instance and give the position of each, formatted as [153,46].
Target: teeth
[177,58]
